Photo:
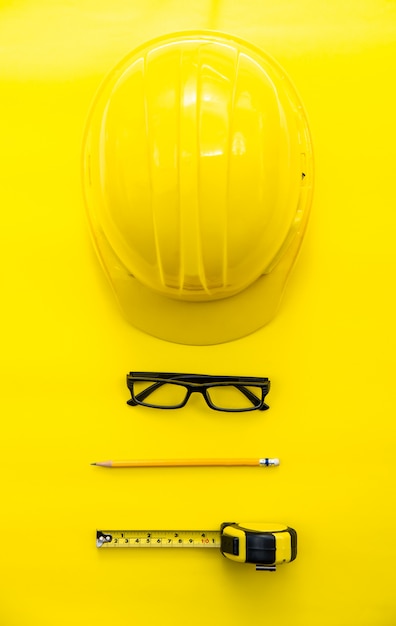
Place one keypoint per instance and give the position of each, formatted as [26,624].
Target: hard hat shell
[197,173]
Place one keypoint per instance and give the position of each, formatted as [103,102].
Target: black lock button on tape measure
[265,545]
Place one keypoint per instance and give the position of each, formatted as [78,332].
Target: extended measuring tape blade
[158,539]
[265,545]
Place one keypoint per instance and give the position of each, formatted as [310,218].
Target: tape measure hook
[101,538]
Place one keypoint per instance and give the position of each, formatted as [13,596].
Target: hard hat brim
[202,323]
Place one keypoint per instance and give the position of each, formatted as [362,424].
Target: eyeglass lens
[159,394]
[239,397]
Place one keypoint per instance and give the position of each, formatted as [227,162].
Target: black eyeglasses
[162,390]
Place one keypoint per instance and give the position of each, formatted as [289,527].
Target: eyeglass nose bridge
[202,391]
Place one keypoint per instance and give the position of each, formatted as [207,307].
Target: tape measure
[265,545]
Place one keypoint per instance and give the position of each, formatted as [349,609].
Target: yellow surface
[66,349]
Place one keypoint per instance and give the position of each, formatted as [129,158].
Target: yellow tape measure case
[254,543]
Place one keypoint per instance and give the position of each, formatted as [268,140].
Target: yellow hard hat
[197,172]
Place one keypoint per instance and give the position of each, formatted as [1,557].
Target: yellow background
[65,348]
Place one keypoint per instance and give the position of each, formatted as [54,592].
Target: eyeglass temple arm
[251,396]
[146,392]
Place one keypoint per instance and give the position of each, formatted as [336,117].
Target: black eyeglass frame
[199,383]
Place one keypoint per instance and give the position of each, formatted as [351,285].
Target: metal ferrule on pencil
[269,462]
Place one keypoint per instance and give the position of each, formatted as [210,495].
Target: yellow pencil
[266,462]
